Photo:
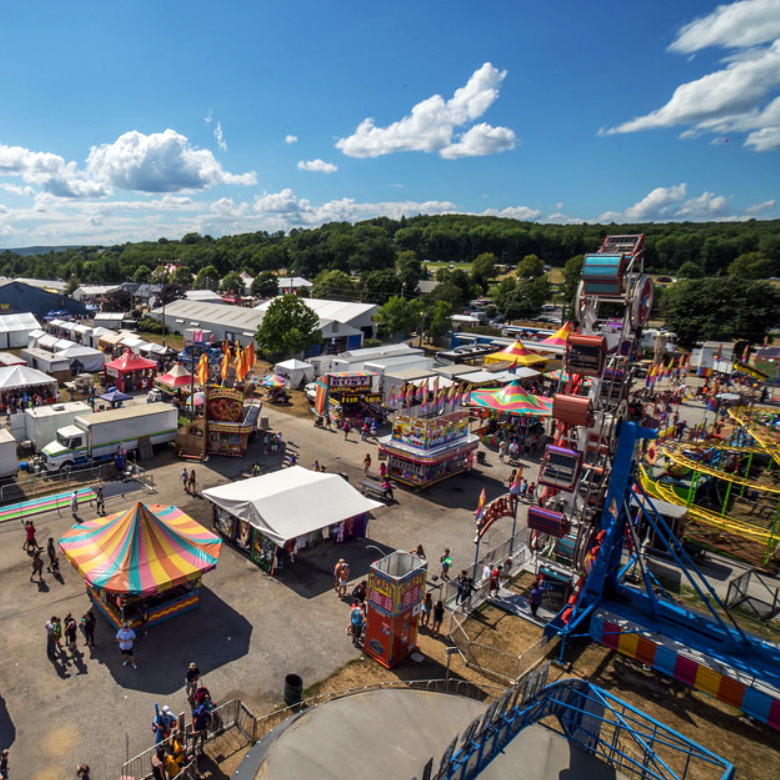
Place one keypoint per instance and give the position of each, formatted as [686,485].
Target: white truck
[8,462]
[43,422]
[100,436]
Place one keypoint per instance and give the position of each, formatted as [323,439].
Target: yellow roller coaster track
[770,447]
[731,525]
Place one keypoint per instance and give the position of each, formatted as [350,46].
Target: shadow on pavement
[212,635]
[7,728]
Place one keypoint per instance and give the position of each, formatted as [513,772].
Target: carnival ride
[728,485]
[599,514]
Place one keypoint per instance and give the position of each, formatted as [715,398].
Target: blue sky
[133,121]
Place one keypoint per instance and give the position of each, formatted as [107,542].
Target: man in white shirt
[125,638]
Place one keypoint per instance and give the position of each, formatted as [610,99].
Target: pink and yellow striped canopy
[143,550]
[559,338]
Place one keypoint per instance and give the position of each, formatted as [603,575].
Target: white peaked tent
[91,360]
[296,372]
[290,503]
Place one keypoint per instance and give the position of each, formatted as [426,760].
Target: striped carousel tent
[518,355]
[147,549]
[512,399]
[559,338]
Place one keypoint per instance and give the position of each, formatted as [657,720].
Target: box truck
[43,422]
[100,436]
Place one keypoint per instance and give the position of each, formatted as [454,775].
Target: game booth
[354,394]
[421,451]
[176,381]
[394,594]
[512,408]
[149,559]
[283,513]
[230,421]
[130,372]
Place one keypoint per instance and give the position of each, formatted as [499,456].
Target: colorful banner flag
[409,395]
[515,486]
[481,506]
[421,391]
[239,363]
[746,354]
[203,370]
[224,367]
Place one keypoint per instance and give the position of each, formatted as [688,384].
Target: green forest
[685,249]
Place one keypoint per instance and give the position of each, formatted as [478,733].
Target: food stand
[230,421]
[130,372]
[287,512]
[421,451]
[353,393]
[394,593]
[148,556]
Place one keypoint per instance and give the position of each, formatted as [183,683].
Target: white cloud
[220,136]
[523,213]
[15,189]
[740,24]
[764,207]
[433,125]
[317,165]
[741,96]
[669,204]
[160,162]
[291,139]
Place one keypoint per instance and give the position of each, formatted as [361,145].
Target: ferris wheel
[612,305]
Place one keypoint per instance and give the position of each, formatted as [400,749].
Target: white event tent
[291,503]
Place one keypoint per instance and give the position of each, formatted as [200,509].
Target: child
[426,609]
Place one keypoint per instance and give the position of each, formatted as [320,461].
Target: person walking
[74,504]
[347,429]
[364,430]
[4,765]
[57,634]
[343,580]
[158,765]
[426,609]
[201,720]
[502,450]
[536,597]
[191,482]
[446,564]
[100,502]
[125,638]
[70,630]
[460,584]
[366,464]
[356,623]
[191,681]
[88,627]
[51,645]
[30,542]
[51,552]
[185,479]
[438,617]
[37,565]
[336,573]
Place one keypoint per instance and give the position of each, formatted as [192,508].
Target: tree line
[693,248]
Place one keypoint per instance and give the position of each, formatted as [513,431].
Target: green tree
[289,327]
[572,274]
[399,316]
[142,274]
[380,286]
[530,266]
[182,276]
[720,309]
[410,271]
[265,285]
[207,279]
[483,269]
[438,318]
[233,284]
[690,270]
[751,265]
[334,286]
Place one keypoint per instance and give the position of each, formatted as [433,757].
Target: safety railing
[42,483]
[605,727]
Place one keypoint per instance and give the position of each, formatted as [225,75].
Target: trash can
[293,688]
[480,456]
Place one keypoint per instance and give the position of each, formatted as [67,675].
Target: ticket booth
[396,586]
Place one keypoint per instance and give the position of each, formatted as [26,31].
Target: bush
[372,343]
[149,325]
